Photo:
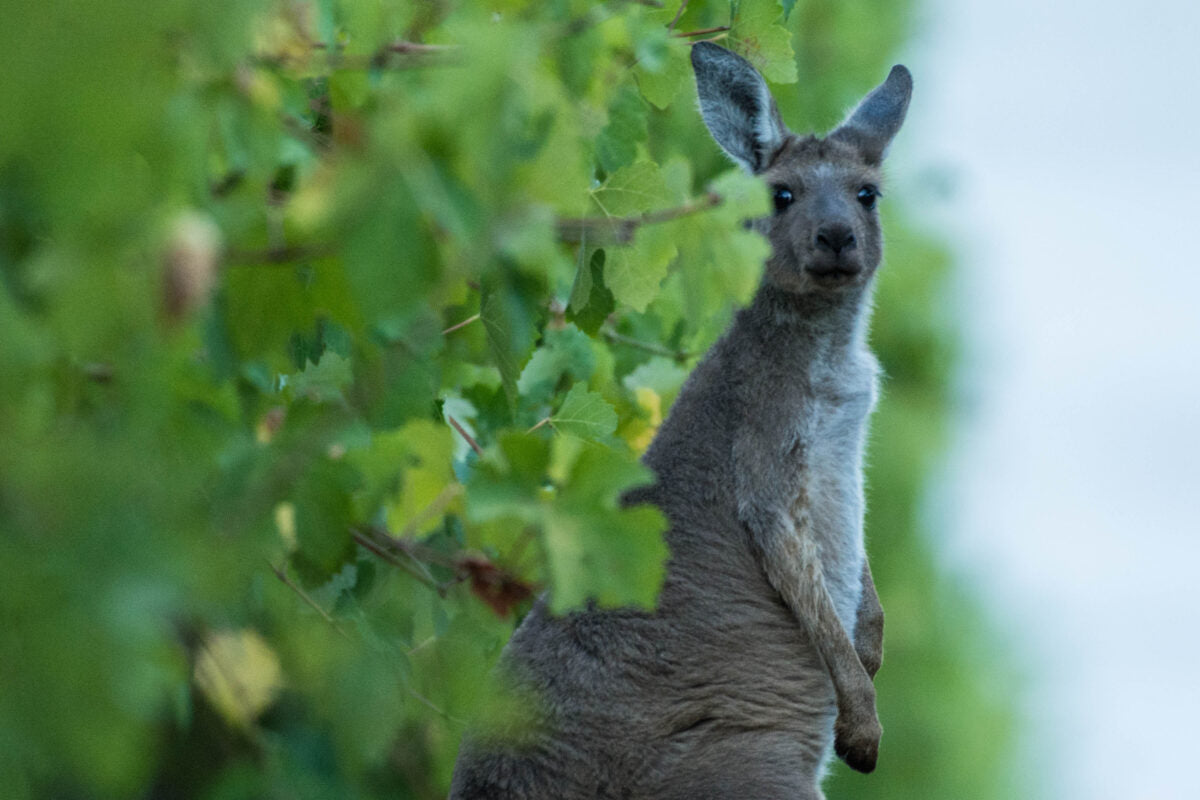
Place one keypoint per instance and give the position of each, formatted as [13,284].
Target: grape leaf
[323,381]
[662,375]
[324,514]
[591,301]
[634,272]
[564,351]
[757,35]
[595,550]
[616,146]
[585,414]
[509,322]
[634,189]
[661,85]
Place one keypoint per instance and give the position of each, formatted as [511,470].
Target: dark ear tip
[901,77]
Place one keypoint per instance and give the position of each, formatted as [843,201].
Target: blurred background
[1050,146]
[331,330]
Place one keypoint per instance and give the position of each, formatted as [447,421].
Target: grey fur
[879,116]
[761,653]
[737,106]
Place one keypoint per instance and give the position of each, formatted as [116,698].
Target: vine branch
[279,255]
[463,433]
[648,347]
[414,54]
[620,230]
[574,230]
[702,32]
[304,596]
[288,582]
[421,575]
[462,324]
[499,587]
[678,14]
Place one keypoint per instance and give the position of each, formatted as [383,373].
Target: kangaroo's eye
[782,197]
[867,196]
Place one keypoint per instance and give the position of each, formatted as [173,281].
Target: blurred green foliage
[330,330]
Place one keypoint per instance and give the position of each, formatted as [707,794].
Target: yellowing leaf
[650,403]
[426,479]
[285,523]
[239,674]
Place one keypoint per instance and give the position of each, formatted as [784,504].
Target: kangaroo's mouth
[833,274]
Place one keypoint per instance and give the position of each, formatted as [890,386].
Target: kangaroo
[761,653]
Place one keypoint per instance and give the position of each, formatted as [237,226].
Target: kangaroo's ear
[878,117]
[737,106]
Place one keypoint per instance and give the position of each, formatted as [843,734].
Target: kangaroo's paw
[857,741]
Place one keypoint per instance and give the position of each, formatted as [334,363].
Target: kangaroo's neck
[824,327]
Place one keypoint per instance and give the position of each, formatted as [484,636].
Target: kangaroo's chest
[829,423]
[828,502]
[829,464]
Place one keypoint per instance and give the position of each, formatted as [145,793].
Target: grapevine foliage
[331,332]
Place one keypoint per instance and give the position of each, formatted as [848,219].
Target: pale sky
[1067,132]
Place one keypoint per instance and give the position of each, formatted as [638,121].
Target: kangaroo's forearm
[868,628]
[794,569]
[790,559]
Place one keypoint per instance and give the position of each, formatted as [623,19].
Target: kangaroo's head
[824,233]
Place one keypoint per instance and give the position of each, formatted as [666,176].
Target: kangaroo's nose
[835,238]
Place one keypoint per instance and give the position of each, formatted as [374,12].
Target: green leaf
[397,377]
[509,321]
[634,272]
[390,254]
[507,481]
[743,196]
[565,351]
[348,90]
[596,550]
[757,35]
[720,262]
[616,146]
[585,414]
[425,477]
[323,381]
[324,514]
[591,301]
[634,189]
[662,85]
[581,287]
[297,297]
